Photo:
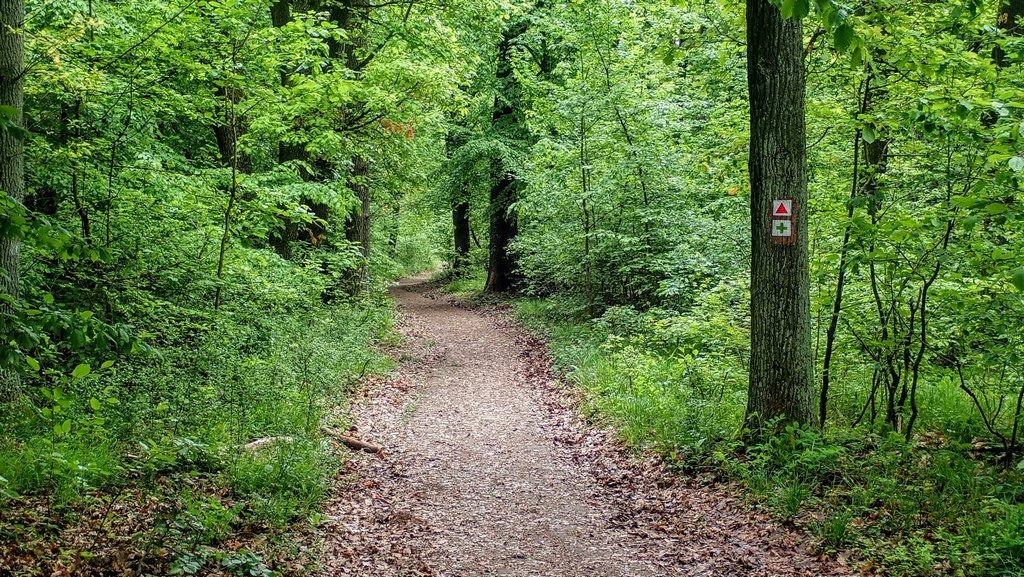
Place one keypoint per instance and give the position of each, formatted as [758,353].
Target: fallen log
[352,442]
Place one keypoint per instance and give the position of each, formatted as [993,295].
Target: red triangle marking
[781,209]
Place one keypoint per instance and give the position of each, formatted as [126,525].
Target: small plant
[246,564]
[789,498]
[834,531]
[187,564]
[284,482]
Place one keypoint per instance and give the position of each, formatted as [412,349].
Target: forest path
[487,472]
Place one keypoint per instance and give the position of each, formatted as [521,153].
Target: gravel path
[488,472]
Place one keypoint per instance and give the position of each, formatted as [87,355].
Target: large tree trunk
[780,330]
[351,16]
[501,265]
[12,161]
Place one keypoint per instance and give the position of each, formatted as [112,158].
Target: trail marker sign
[782,209]
[782,222]
[782,228]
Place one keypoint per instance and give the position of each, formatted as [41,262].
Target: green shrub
[284,481]
[675,384]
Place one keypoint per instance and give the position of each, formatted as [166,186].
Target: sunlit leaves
[798,9]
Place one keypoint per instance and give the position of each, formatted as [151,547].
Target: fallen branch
[260,443]
[352,442]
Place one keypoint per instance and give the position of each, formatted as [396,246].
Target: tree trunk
[396,229]
[230,128]
[351,16]
[45,199]
[460,222]
[358,225]
[780,329]
[281,239]
[1011,22]
[501,265]
[12,161]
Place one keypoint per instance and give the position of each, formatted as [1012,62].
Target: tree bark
[460,222]
[501,265]
[351,16]
[230,128]
[780,331]
[1011,22]
[281,239]
[12,160]
[358,225]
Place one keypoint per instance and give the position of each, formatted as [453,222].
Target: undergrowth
[176,423]
[676,385]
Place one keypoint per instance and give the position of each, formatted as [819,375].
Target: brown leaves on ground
[416,509]
[133,530]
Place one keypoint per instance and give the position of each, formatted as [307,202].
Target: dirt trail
[487,472]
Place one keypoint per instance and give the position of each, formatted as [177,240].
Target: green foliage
[906,508]
[283,482]
[670,384]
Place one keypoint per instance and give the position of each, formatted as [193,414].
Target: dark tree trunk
[460,222]
[229,130]
[12,161]
[281,239]
[1011,22]
[45,199]
[351,16]
[780,330]
[281,15]
[358,225]
[501,264]
[506,120]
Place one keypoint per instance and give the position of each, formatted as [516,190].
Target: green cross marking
[782,227]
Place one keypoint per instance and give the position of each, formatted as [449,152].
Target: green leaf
[843,37]
[801,8]
[107,364]
[32,363]
[1018,279]
[867,134]
[62,428]
[1016,163]
[81,371]
[858,56]
[996,208]
[95,404]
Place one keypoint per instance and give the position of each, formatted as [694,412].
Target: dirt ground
[488,471]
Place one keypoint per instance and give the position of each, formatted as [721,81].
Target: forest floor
[489,471]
